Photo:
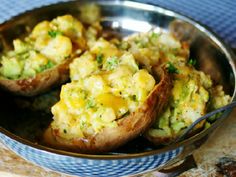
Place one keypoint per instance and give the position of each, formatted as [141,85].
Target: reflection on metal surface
[135,25]
[128,24]
[125,18]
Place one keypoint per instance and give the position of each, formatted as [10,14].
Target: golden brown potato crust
[128,127]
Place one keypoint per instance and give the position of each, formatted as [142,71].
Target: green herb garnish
[155,35]
[171,68]
[140,43]
[25,55]
[53,33]
[111,63]
[65,131]
[90,104]
[99,58]
[82,125]
[67,57]
[133,97]
[50,64]
[123,45]
[192,62]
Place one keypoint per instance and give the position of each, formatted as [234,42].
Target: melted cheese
[117,103]
[86,64]
[99,95]
[41,29]
[104,47]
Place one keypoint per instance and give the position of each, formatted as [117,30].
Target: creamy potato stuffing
[193,93]
[105,85]
[153,49]
[50,43]
[188,102]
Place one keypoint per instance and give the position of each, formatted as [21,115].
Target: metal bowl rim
[150,7]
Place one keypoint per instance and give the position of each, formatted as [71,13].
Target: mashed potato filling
[188,102]
[193,93]
[106,85]
[152,49]
[49,44]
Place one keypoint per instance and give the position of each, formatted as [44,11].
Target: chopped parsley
[82,125]
[155,35]
[65,131]
[83,94]
[67,57]
[50,64]
[90,104]
[99,59]
[140,43]
[111,63]
[123,45]
[133,97]
[25,55]
[171,68]
[192,62]
[54,33]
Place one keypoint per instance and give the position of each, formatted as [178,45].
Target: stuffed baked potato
[193,93]
[41,60]
[109,101]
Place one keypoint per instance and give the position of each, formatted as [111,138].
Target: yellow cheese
[71,28]
[83,66]
[41,29]
[115,102]
[96,85]
[144,80]
[58,48]
[104,47]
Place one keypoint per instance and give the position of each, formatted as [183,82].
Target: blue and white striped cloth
[219,15]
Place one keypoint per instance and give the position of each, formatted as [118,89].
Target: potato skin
[42,82]
[128,127]
[159,140]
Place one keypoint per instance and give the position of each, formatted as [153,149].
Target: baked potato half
[128,127]
[109,101]
[41,60]
[154,49]
[193,93]
[192,96]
